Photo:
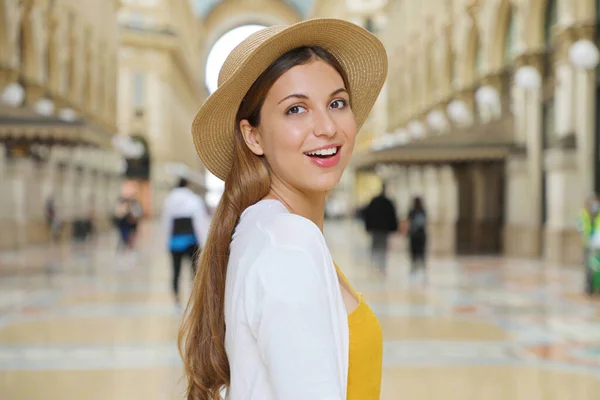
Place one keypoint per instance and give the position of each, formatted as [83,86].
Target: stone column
[562,241]
[529,120]
[95,190]
[520,235]
[67,179]
[114,180]
[18,173]
[585,106]
[431,199]
[399,191]
[5,203]
[564,100]
[534,166]
[37,230]
[415,181]
[83,195]
[446,241]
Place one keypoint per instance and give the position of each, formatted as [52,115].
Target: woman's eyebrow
[305,97]
[296,95]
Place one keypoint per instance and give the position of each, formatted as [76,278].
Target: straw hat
[360,53]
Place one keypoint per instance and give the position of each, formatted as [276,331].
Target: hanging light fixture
[13,95]
[437,120]
[44,107]
[459,111]
[416,129]
[584,54]
[528,77]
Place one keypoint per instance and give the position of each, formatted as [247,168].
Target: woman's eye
[340,103]
[296,110]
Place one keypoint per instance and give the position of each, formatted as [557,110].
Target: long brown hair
[202,333]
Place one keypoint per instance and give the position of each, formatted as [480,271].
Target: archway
[221,49]
[137,175]
[216,57]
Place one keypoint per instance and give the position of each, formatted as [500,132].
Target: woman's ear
[251,137]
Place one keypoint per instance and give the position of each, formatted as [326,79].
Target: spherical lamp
[528,78]
[437,120]
[13,95]
[459,111]
[416,129]
[67,114]
[487,95]
[44,107]
[584,54]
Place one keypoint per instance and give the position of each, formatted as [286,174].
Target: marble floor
[79,322]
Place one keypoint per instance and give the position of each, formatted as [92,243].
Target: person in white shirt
[270,314]
[185,224]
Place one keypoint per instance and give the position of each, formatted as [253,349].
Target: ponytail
[202,333]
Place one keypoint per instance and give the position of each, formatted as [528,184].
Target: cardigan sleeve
[290,317]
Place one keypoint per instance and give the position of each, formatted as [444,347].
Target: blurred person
[137,212]
[52,219]
[280,130]
[90,220]
[126,217]
[589,227]
[185,224]
[380,221]
[417,236]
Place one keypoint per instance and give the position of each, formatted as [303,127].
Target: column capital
[561,160]
[565,37]
[7,76]
[33,92]
[531,58]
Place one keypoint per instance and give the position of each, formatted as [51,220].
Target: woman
[270,315]
[417,235]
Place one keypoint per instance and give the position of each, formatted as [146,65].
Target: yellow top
[366,350]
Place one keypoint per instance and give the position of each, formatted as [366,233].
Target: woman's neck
[310,206]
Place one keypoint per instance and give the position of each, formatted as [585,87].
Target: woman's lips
[327,162]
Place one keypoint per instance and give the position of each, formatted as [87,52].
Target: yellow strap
[346,282]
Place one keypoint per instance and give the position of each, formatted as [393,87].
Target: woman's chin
[324,183]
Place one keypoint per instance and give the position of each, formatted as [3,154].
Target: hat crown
[242,51]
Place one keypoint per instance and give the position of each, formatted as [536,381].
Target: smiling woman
[280,130]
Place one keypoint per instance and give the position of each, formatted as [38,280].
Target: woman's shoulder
[272,218]
[271,226]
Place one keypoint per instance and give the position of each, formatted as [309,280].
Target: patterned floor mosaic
[81,322]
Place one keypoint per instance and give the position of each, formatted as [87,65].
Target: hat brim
[360,53]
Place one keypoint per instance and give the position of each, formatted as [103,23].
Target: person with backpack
[186,224]
[417,236]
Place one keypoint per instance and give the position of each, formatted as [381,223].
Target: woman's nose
[324,124]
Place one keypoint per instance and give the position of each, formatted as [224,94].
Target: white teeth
[323,152]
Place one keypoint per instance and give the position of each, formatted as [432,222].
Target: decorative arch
[4,45]
[88,66]
[537,14]
[431,78]
[27,44]
[140,168]
[470,53]
[73,81]
[505,20]
[55,52]
[224,17]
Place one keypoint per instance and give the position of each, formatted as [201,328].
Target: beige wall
[161,41]
[69,57]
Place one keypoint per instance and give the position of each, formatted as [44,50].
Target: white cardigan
[286,323]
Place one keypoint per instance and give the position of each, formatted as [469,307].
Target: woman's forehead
[315,78]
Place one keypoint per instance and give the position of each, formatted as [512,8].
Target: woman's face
[307,128]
